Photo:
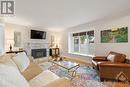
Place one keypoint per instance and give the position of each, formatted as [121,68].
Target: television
[36,34]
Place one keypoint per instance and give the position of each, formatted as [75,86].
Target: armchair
[110,66]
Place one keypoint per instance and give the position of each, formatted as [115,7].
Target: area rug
[86,76]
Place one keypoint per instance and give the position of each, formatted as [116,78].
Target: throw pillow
[22,61]
[111,57]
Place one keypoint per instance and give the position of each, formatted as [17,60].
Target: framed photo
[118,35]
[17,39]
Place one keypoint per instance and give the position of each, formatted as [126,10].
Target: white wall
[1,38]
[62,37]
[104,48]
[100,48]
[26,42]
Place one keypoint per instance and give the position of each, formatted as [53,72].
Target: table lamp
[10,42]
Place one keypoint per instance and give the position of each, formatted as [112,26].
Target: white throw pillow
[22,61]
[111,57]
[11,77]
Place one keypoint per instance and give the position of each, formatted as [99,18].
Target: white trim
[84,30]
[80,54]
[70,42]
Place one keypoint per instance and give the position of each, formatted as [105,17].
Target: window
[82,43]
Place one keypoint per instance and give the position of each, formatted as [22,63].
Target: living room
[77,43]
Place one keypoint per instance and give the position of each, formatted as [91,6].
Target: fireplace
[37,53]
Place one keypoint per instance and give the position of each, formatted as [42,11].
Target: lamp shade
[10,41]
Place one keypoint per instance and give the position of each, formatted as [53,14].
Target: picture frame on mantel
[115,35]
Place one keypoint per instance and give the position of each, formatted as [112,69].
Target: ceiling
[62,14]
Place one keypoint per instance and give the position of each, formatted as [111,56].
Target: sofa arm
[61,82]
[112,70]
[100,58]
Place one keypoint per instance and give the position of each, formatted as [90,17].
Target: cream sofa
[17,71]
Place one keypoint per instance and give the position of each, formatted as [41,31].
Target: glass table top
[66,64]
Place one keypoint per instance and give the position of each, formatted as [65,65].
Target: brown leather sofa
[110,66]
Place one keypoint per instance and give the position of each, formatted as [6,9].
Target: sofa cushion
[11,77]
[32,71]
[120,58]
[43,79]
[97,63]
[22,61]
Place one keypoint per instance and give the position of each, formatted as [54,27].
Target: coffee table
[71,67]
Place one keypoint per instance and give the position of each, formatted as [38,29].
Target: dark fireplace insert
[38,53]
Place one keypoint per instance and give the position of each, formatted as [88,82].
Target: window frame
[70,35]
